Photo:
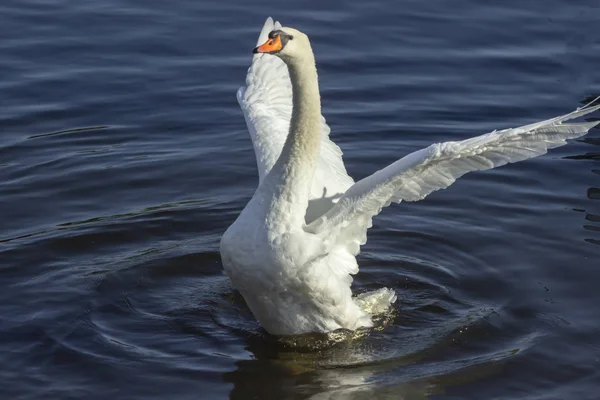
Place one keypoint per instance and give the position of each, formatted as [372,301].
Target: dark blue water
[124,157]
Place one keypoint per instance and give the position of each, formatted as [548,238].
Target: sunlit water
[124,156]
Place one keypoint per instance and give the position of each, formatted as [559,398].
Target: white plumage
[292,257]
[266,101]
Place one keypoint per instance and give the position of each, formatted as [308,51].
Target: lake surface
[124,157]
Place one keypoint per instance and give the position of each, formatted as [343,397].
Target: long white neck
[296,165]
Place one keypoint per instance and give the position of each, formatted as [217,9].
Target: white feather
[266,102]
[294,266]
[436,167]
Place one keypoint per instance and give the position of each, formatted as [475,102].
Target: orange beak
[270,46]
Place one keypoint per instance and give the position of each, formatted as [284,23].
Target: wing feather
[266,102]
[436,167]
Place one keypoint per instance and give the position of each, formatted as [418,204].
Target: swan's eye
[291,37]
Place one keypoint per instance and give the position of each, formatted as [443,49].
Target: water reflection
[359,369]
[433,343]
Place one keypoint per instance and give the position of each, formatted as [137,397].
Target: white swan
[291,252]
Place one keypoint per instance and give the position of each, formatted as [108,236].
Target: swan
[291,252]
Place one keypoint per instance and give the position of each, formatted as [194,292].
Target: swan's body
[291,252]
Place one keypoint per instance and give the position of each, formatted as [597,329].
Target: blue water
[124,157]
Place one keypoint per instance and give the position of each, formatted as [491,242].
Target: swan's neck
[295,168]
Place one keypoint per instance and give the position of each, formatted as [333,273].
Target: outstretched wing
[266,101]
[436,167]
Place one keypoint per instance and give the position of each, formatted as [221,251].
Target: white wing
[266,101]
[436,167]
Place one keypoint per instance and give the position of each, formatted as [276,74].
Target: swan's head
[286,43]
